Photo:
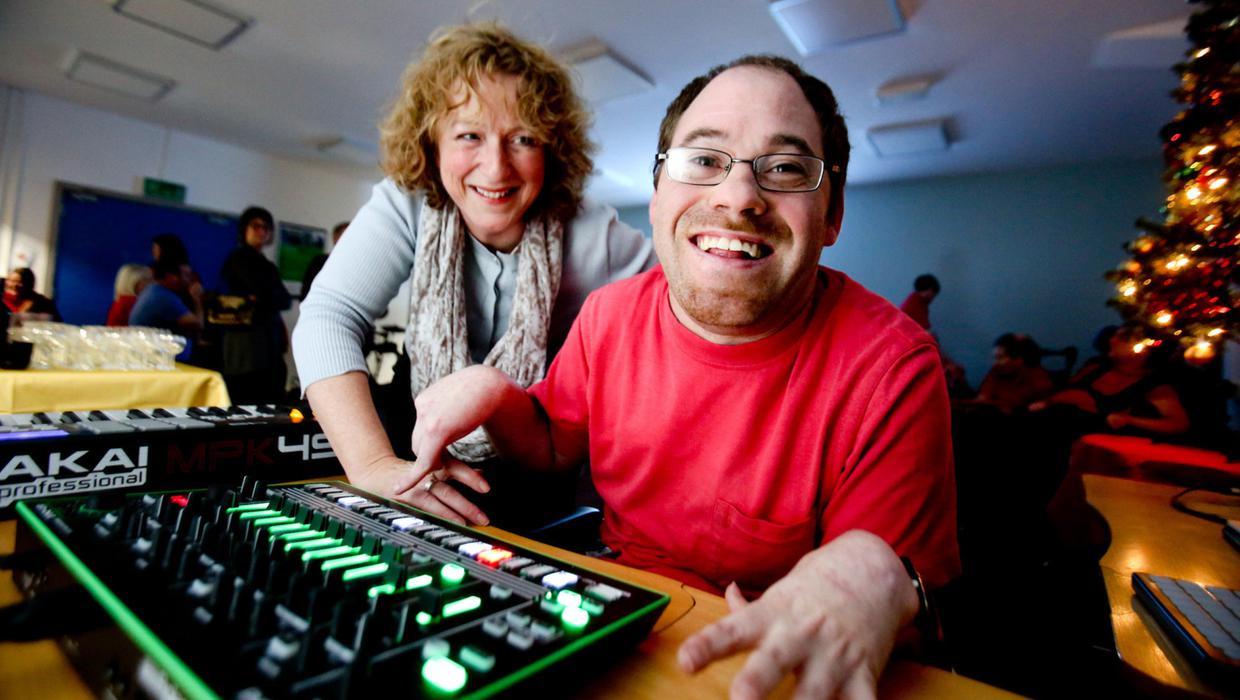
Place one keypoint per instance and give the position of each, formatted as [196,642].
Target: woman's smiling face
[490,162]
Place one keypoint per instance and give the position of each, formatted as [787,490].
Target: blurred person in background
[20,297]
[131,279]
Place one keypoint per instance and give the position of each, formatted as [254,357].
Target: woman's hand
[427,489]
[447,411]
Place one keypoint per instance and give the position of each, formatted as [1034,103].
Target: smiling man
[757,424]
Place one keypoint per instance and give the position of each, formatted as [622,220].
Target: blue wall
[1015,251]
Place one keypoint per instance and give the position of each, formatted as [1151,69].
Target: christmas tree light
[1183,282]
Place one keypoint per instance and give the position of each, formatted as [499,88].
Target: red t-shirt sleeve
[563,394]
[898,481]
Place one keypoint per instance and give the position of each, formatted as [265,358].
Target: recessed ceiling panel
[910,138]
[193,20]
[815,25]
[118,77]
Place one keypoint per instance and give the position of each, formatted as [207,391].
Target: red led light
[494,557]
[181,500]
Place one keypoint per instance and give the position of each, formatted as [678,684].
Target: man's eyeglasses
[776,172]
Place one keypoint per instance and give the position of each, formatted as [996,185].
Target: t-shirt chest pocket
[755,552]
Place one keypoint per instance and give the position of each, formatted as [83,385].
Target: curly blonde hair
[547,105]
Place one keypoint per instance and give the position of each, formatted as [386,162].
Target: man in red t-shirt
[755,423]
[917,304]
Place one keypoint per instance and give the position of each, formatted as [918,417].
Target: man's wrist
[926,621]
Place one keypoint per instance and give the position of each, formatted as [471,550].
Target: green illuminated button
[550,605]
[319,543]
[477,658]
[273,520]
[419,581]
[592,606]
[289,528]
[381,589]
[329,552]
[569,599]
[435,648]
[248,507]
[444,674]
[300,536]
[461,605]
[575,619]
[259,514]
[452,573]
[423,618]
[365,571]
[348,562]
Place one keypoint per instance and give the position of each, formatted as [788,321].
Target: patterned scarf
[436,339]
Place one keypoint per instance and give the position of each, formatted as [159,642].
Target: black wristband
[927,620]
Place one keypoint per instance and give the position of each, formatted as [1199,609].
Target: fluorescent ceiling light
[603,76]
[1160,45]
[909,138]
[193,20]
[815,25]
[352,150]
[905,89]
[118,77]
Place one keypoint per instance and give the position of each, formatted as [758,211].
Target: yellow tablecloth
[30,390]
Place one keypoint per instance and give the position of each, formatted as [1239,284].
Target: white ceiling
[1023,82]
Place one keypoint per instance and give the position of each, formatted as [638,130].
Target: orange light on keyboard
[296,416]
[494,557]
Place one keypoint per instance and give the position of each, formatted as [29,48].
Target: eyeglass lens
[780,172]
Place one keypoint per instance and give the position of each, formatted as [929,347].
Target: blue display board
[98,231]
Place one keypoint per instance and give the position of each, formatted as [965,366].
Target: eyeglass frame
[660,158]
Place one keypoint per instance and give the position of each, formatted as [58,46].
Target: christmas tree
[1182,281]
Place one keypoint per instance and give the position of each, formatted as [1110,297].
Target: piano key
[43,418]
[99,427]
[98,415]
[70,417]
[165,413]
[146,425]
[183,422]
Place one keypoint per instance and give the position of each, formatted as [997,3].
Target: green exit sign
[162,189]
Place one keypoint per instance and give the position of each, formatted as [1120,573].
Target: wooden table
[31,390]
[1147,534]
[39,670]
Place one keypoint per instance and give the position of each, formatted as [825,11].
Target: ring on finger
[432,478]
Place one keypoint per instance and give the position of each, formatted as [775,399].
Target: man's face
[732,295]
[1004,363]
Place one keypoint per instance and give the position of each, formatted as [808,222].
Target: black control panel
[319,590]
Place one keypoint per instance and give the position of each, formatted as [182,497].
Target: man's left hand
[832,620]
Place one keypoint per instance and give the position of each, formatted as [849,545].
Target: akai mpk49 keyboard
[69,453]
[315,591]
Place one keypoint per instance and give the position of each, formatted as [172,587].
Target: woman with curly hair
[486,157]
